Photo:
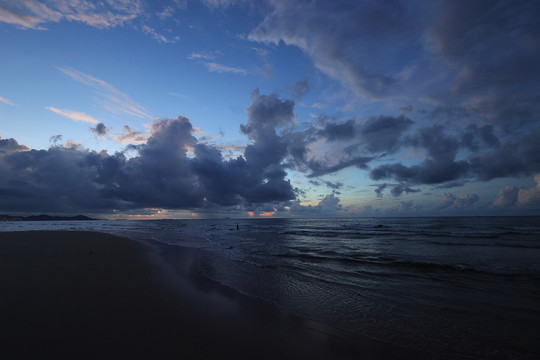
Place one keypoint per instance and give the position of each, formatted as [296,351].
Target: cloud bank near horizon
[172,169]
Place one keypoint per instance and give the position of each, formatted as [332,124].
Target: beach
[74,294]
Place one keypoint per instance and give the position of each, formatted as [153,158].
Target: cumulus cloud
[8,146]
[330,205]
[158,173]
[513,196]
[450,201]
[530,196]
[506,197]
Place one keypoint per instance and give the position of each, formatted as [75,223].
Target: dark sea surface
[466,286]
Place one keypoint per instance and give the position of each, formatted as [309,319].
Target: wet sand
[87,295]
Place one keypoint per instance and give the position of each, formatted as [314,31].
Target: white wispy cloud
[198,56]
[157,36]
[6,101]
[219,68]
[31,14]
[112,99]
[74,115]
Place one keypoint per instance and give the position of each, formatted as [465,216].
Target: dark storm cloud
[159,173]
[451,184]
[376,134]
[518,156]
[475,63]
[399,189]
[427,172]
[55,180]
[497,43]
[334,131]
[335,34]
[395,189]
[383,133]
[319,168]
[475,138]
[438,167]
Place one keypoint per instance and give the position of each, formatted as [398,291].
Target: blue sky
[304,108]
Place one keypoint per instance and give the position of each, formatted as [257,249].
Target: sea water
[465,286]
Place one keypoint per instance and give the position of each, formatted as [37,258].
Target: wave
[393,263]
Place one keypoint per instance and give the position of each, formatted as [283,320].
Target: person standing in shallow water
[237,226]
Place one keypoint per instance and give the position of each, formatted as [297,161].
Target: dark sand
[85,295]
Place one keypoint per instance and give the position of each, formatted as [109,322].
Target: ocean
[463,286]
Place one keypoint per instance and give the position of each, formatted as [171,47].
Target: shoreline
[90,294]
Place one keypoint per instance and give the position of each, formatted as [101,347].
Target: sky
[236,108]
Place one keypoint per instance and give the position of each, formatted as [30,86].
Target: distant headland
[43,218]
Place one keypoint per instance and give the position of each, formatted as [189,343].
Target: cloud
[150,31]
[395,189]
[450,201]
[383,133]
[219,68]
[196,56]
[100,130]
[376,134]
[6,101]
[438,167]
[8,146]
[130,135]
[31,14]
[471,34]
[482,103]
[513,196]
[336,43]
[399,189]
[319,168]
[379,190]
[158,173]
[329,145]
[330,205]
[112,99]
[332,185]
[74,115]
[506,197]
[530,197]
